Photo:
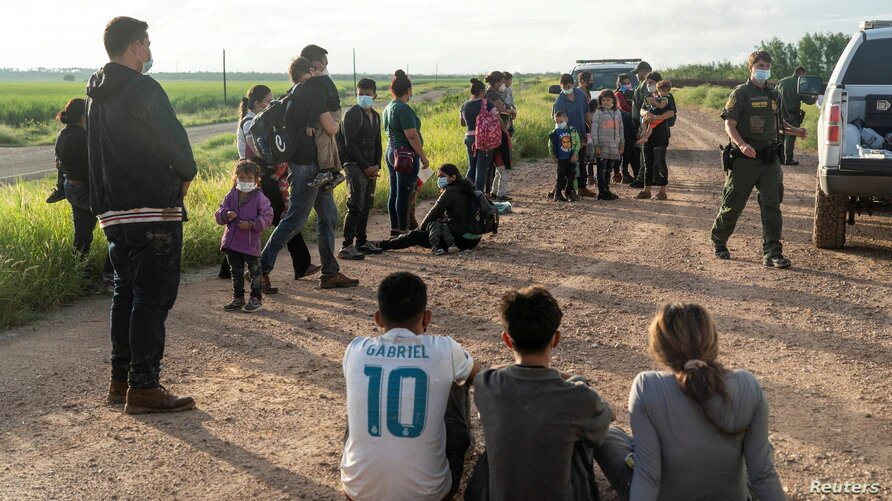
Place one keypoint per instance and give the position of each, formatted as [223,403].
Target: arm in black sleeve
[351,125]
[173,142]
[379,150]
[444,203]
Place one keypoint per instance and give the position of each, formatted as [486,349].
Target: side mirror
[809,85]
[554,89]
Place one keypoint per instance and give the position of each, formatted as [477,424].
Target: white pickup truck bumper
[855,183]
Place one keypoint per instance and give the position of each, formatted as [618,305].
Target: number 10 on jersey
[395,381]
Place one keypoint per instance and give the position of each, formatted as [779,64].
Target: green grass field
[713,98]
[27,109]
[39,271]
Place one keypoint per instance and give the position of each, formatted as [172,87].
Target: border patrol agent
[791,109]
[752,160]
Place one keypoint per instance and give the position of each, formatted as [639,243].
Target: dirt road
[269,387]
[31,162]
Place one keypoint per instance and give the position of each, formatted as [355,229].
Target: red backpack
[488,129]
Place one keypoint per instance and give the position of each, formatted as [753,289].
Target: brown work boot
[267,287]
[337,281]
[145,400]
[585,192]
[117,392]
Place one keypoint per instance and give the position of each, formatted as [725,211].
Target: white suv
[859,88]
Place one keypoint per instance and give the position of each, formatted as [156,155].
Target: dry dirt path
[269,387]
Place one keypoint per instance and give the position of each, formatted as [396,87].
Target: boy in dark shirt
[563,146]
[540,425]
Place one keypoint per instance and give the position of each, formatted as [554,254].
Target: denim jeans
[237,263]
[402,184]
[300,255]
[78,195]
[421,238]
[305,198]
[146,257]
[566,173]
[360,197]
[478,165]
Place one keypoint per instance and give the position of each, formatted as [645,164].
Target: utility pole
[354,68]
[436,72]
[224,76]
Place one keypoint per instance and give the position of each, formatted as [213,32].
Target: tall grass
[39,271]
[713,99]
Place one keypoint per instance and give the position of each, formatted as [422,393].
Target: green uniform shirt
[787,89]
[399,116]
[755,111]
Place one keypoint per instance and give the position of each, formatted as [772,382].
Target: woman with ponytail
[72,162]
[701,431]
[256,100]
[405,151]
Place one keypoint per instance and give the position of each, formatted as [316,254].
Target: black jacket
[359,140]
[139,152]
[454,202]
[71,152]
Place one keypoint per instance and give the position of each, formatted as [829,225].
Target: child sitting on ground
[246,212]
[330,168]
[563,146]
[655,106]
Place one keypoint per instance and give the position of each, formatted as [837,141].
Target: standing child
[563,145]
[246,212]
[609,141]
[659,102]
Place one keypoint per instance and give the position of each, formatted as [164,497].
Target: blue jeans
[303,199]
[478,165]
[605,169]
[78,195]
[401,187]
[146,257]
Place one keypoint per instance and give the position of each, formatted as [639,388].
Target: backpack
[488,129]
[483,217]
[267,136]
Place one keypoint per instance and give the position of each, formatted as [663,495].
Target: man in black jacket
[141,165]
[360,142]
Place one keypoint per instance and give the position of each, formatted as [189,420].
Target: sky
[448,36]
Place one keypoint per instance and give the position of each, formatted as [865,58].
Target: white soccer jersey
[397,389]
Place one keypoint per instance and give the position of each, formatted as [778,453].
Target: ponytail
[477,87]
[400,84]
[683,338]
[255,94]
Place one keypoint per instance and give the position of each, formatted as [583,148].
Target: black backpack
[483,217]
[267,135]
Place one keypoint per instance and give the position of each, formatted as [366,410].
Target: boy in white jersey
[407,408]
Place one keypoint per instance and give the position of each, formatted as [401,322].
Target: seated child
[407,402]
[541,426]
[563,146]
[330,168]
[656,106]
[246,212]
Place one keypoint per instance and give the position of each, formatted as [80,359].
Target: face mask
[503,88]
[442,182]
[652,88]
[147,65]
[365,102]
[561,125]
[762,75]
[246,186]
[626,87]
[589,86]
[567,91]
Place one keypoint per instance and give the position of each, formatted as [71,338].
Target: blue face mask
[365,102]
[147,65]
[442,182]
[762,75]
[626,87]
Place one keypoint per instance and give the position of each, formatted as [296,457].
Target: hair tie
[694,364]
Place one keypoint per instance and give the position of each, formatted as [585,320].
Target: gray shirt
[679,455]
[532,419]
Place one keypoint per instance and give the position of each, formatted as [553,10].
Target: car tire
[830,220]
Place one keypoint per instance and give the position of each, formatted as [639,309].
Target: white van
[857,108]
